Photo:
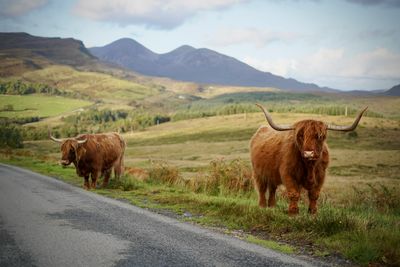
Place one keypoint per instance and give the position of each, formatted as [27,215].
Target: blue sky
[344,44]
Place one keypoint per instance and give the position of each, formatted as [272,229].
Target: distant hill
[22,52]
[31,52]
[195,65]
[394,91]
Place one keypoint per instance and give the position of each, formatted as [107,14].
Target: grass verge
[365,235]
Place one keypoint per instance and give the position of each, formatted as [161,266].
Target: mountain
[195,65]
[26,47]
[394,91]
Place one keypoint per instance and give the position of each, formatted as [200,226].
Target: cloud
[338,69]
[387,3]
[161,14]
[16,8]
[254,36]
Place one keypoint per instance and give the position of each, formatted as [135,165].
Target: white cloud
[163,14]
[16,8]
[375,69]
[254,36]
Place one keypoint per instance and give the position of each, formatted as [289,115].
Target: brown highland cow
[93,155]
[295,155]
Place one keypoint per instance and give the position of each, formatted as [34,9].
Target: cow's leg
[271,197]
[294,197]
[95,175]
[313,197]
[313,193]
[107,174]
[117,169]
[293,191]
[261,185]
[86,184]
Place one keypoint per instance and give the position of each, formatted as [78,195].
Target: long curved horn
[348,128]
[272,123]
[82,141]
[53,138]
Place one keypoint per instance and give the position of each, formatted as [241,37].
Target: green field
[38,106]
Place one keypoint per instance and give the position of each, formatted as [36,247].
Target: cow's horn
[82,141]
[271,122]
[348,128]
[53,138]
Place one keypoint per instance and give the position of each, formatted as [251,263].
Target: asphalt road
[45,222]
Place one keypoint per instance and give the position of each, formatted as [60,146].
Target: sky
[341,44]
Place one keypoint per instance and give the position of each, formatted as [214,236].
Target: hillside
[21,52]
[196,65]
[394,91]
[65,64]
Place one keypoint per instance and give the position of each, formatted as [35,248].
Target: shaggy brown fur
[296,156]
[95,157]
[278,157]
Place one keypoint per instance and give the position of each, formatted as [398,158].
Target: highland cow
[93,155]
[296,156]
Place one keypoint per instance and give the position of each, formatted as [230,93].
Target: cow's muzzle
[310,155]
[65,162]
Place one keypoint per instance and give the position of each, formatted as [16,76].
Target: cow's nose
[308,154]
[64,162]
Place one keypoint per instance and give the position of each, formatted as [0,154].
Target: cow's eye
[300,136]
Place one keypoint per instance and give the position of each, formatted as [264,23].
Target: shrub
[378,197]
[161,172]
[10,136]
[228,177]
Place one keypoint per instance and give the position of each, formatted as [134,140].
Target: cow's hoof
[293,211]
[262,205]
[312,211]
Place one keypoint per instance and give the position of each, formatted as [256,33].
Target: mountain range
[22,52]
[187,63]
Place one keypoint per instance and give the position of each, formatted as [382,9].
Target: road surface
[45,222]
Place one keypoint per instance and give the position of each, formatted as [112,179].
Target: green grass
[271,244]
[39,105]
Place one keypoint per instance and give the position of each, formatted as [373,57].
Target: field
[38,106]
[93,85]
[188,164]
[371,158]
[359,201]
